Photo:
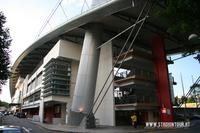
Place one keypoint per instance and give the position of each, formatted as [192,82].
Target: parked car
[10,113]
[11,129]
[21,115]
[1,114]
[6,113]
[15,114]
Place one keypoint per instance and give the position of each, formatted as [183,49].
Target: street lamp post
[194,38]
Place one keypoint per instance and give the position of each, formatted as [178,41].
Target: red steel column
[162,79]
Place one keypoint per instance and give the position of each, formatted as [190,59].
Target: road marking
[27,130]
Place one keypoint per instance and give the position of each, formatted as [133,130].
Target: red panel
[161,72]
[48,114]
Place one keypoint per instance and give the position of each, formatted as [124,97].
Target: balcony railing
[140,73]
[134,99]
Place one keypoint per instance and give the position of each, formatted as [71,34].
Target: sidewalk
[66,128]
[99,129]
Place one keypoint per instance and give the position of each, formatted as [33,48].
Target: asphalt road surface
[183,130]
[25,123]
[33,128]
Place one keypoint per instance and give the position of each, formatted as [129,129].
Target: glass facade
[57,74]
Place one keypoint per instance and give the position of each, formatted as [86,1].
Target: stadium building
[106,62]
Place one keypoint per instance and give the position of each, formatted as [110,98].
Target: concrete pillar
[106,112]
[86,78]
[41,110]
[63,113]
[67,113]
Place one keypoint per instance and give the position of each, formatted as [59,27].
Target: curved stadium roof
[115,16]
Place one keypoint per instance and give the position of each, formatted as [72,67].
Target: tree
[191,99]
[177,101]
[5,41]
[183,99]
[4,104]
[183,15]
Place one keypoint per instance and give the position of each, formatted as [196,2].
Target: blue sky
[189,67]
[25,18]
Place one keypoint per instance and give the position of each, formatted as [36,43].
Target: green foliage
[5,42]
[183,99]
[4,104]
[191,99]
[183,15]
[177,101]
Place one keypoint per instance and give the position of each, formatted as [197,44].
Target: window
[39,77]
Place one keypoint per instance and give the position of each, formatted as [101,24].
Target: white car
[12,129]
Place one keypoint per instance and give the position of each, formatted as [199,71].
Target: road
[23,122]
[33,128]
[183,130]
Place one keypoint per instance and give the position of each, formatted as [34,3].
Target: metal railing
[66,10]
[136,72]
[130,99]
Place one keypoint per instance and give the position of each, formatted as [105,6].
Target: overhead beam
[148,26]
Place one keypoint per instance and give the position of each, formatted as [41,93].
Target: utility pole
[183,96]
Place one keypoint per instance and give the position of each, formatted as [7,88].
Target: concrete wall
[41,110]
[63,113]
[24,90]
[60,120]
[71,51]
[68,50]
[53,53]
[106,113]
[74,71]
[37,72]
[16,97]
[68,100]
